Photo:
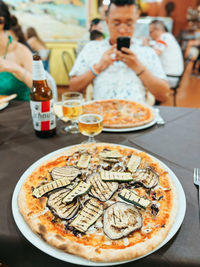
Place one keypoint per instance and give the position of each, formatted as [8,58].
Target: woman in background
[15,61]
[38,46]
[17,33]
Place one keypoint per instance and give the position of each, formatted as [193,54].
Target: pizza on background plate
[102,202]
[119,114]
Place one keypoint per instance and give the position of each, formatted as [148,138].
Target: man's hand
[106,60]
[130,59]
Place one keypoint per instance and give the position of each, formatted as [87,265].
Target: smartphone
[123,41]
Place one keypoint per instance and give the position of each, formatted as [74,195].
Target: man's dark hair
[94,35]
[120,3]
[4,12]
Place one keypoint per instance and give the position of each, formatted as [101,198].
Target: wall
[178,15]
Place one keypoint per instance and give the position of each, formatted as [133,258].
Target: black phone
[123,41]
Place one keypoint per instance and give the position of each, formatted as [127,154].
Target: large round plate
[52,251]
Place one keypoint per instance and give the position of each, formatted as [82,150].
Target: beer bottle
[42,109]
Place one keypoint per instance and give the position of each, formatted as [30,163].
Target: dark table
[177,144]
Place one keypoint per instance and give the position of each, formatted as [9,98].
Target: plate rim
[35,240]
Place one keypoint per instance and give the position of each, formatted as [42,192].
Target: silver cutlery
[160,120]
[197,182]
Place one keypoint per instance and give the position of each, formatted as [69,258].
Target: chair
[52,84]
[68,62]
[175,88]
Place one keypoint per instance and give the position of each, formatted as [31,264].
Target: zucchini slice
[84,161]
[81,188]
[133,163]
[110,176]
[133,198]
[43,189]
[88,215]
[110,155]
[67,171]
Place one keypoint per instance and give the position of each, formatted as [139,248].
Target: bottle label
[38,71]
[43,115]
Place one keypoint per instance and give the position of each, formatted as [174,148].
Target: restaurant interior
[182,18]
[99,133]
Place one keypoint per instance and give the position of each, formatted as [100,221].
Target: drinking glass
[90,122]
[72,108]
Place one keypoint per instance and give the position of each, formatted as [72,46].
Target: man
[168,50]
[119,74]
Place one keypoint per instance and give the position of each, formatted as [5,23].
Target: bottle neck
[38,71]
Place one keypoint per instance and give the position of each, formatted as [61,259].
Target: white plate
[52,251]
[3,105]
[130,129]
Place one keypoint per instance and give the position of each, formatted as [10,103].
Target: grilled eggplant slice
[121,219]
[67,171]
[100,189]
[88,215]
[133,198]
[84,161]
[60,209]
[147,177]
[43,189]
[133,163]
[81,188]
[110,176]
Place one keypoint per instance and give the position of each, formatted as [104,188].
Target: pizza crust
[94,253]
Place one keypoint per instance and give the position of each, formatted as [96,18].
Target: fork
[197,182]
[160,120]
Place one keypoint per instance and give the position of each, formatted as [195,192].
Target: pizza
[118,113]
[103,202]
[6,98]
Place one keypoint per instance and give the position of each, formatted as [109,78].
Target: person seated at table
[15,61]
[37,45]
[119,74]
[168,50]
[17,33]
[95,24]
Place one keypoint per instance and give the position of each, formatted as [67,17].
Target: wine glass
[90,122]
[72,108]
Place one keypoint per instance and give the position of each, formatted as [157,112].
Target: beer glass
[72,108]
[90,122]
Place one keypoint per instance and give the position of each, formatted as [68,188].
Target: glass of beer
[90,122]
[72,108]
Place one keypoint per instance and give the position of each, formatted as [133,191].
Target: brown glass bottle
[42,109]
